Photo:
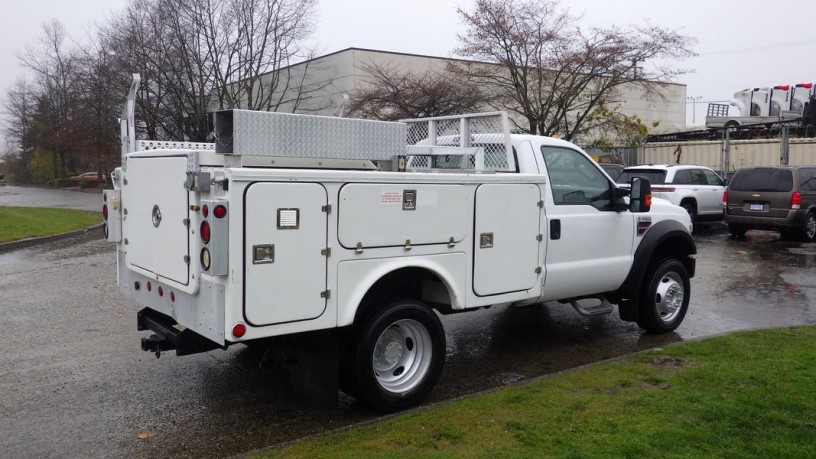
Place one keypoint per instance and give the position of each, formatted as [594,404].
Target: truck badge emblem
[156,216]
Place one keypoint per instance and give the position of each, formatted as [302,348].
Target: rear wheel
[665,297]
[737,230]
[808,232]
[691,208]
[396,355]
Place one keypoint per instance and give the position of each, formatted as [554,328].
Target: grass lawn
[749,394]
[24,222]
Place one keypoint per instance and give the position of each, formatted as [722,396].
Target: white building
[339,73]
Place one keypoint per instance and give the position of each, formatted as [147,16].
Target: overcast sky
[741,43]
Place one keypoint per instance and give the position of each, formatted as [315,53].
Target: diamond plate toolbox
[247,132]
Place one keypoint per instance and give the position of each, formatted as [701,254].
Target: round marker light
[220,211]
[161,291]
[105,211]
[104,197]
[173,296]
[238,330]
[205,211]
[205,259]
[149,287]
[205,232]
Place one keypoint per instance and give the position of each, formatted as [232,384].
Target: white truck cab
[338,242]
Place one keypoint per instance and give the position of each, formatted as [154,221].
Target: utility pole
[693,100]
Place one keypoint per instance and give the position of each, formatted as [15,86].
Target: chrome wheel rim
[402,356]
[669,297]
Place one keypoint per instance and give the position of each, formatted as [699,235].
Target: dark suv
[780,198]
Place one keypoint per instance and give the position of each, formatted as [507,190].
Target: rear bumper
[166,336]
[794,219]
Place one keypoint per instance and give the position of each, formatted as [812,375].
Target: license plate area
[755,207]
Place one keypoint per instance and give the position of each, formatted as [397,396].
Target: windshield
[656,177]
[765,179]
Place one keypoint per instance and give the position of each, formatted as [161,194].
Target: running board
[604,307]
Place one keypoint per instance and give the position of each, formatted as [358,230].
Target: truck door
[284,270]
[589,245]
[506,252]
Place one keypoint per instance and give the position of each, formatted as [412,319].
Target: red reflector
[783,87]
[105,211]
[172,296]
[104,197]
[205,232]
[149,287]
[220,211]
[804,85]
[161,291]
[796,201]
[205,211]
[238,330]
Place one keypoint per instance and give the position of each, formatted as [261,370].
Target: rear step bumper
[167,337]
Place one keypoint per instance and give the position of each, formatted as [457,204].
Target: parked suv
[697,189]
[780,198]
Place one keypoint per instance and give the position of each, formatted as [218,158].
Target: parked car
[612,170]
[778,198]
[697,189]
[88,177]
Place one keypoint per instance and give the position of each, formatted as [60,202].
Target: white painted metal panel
[154,212]
[287,218]
[506,244]
[374,214]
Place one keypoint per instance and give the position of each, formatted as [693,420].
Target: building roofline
[427,56]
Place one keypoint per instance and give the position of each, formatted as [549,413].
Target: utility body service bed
[338,241]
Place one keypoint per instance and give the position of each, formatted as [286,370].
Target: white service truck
[286,233]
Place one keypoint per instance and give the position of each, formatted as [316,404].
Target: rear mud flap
[311,359]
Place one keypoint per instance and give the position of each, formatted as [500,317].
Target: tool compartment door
[506,245]
[158,240]
[284,270]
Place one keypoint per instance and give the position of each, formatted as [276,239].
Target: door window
[712,178]
[807,179]
[575,179]
[682,177]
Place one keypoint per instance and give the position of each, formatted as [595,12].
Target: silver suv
[697,189]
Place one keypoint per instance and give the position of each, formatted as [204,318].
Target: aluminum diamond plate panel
[245,132]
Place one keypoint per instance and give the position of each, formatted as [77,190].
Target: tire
[737,230]
[808,232]
[691,208]
[396,356]
[665,297]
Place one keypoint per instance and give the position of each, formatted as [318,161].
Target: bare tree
[540,64]
[57,93]
[198,55]
[394,93]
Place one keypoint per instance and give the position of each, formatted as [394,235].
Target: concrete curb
[31,241]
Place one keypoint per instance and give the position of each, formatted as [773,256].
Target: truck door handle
[555,229]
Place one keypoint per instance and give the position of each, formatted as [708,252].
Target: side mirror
[640,195]
[620,204]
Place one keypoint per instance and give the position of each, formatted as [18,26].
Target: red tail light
[105,212]
[205,232]
[725,197]
[238,330]
[220,211]
[796,201]
[804,85]
[205,211]
[783,87]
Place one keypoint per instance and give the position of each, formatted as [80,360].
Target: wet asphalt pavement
[74,382]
